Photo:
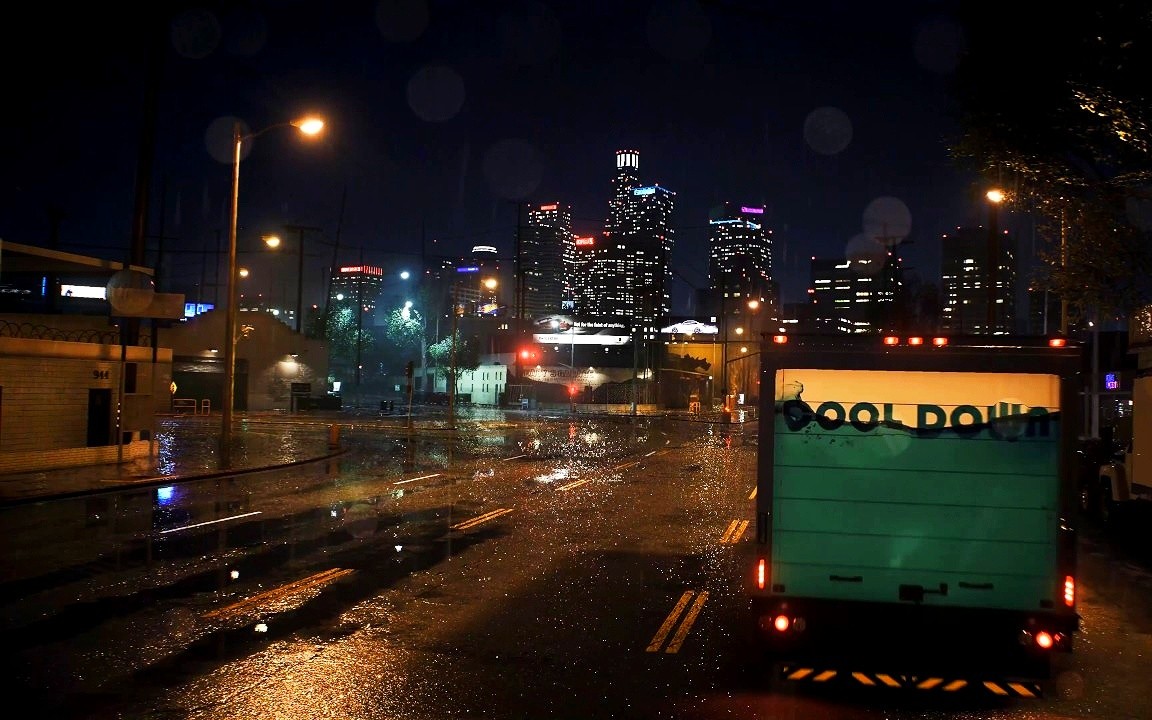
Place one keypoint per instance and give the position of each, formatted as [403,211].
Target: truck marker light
[939,341]
[891,340]
[761,573]
[780,339]
[1044,640]
[781,623]
[1056,342]
[915,341]
[1069,591]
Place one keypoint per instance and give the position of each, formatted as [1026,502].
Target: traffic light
[409,369]
[528,354]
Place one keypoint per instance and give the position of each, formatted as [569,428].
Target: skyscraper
[978,282]
[740,256]
[545,246]
[628,267]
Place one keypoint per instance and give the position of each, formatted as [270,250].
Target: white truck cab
[1128,477]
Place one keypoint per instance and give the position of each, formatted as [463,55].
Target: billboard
[567,330]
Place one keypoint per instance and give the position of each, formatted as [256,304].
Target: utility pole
[518,269]
[300,230]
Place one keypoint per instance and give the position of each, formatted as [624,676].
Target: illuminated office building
[546,251]
[740,257]
[856,295]
[978,295]
[356,283]
[628,267]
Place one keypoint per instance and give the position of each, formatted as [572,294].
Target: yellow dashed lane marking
[479,519]
[734,532]
[673,617]
[319,579]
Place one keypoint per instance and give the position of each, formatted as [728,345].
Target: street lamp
[308,126]
[489,284]
[995,197]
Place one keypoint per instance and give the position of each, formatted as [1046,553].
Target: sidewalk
[185,446]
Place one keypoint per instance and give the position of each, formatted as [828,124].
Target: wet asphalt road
[536,569]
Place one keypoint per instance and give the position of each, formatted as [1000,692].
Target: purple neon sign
[753,210]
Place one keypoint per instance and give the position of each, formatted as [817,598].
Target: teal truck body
[914,505]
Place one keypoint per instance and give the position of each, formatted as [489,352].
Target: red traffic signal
[529,354]
[571,389]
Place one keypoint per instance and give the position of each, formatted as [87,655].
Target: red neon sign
[585,241]
[548,207]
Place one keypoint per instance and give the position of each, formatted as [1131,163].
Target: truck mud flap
[815,675]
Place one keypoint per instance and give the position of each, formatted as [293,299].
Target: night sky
[441,116]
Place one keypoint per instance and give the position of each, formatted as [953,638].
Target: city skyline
[441,118]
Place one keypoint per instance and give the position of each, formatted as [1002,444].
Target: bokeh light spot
[218,139]
[827,130]
[513,168]
[888,220]
[866,254]
[196,33]
[436,93]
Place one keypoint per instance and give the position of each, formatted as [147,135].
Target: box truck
[915,501]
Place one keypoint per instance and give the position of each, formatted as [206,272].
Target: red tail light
[1057,342]
[779,339]
[939,341]
[915,341]
[761,573]
[891,340]
[1069,591]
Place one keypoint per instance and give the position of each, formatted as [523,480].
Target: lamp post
[308,126]
[995,197]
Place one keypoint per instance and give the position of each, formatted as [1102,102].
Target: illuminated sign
[691,327]
[753,210]
[585,241]
[484,249]
[469,269]
[363,269]
[644,191]
[99,292]
[1111,382]
[194,309]
[548,207]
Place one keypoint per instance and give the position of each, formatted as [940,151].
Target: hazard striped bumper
[932,683]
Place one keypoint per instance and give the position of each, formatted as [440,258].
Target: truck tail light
[915,341]
[1057,342]
[1069,591]
[939,341]
[781,623]
[761,573]
[1044,640]
[891,340]
[780,339]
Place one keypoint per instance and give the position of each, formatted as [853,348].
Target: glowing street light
[308,126]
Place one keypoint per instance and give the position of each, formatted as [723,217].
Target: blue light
[1110,382]
[165,495]
[470,269]
[644,191]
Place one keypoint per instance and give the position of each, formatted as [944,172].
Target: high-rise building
[740,257]
[855,295]
[356,283]
[978,294]
[546,248]
[628,268]
[740,249]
